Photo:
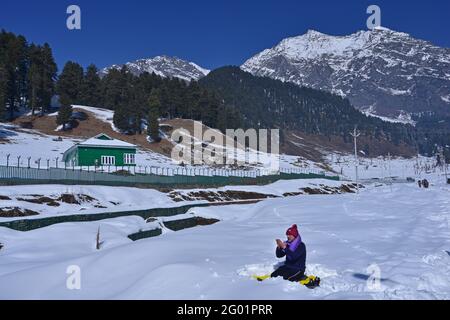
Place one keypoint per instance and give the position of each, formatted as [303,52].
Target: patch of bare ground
[12,212]
[181,224]
[218,196]
[41,200]
[232,195]
[4,197]
[323,189]
[64,198]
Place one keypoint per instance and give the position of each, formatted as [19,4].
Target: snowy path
[405,232]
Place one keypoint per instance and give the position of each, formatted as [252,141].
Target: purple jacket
[295,253]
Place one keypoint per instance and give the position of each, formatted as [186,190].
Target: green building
[101,150]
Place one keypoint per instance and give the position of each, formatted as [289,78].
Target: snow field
[401,230]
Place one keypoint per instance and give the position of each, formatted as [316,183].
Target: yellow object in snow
[307,280]
[261,278]
[310,281]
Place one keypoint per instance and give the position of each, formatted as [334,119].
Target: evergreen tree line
[28,78]
[269,103]
[148,96]
[433,132]
[140,100]
[27,75]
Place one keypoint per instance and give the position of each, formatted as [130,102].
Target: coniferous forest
[269,103]
[29,80]
[226,98]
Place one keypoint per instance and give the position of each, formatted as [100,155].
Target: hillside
[324,117]
[39,137]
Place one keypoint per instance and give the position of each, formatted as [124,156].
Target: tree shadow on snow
[5,132]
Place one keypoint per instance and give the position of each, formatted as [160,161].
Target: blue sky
[211,33]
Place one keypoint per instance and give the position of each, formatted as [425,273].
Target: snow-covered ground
[27,143]
[383,167]
[115,199]
[105,199]
[401,231]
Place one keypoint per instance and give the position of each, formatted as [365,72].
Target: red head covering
[292,231]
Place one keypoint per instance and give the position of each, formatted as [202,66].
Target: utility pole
[389,170]
[389,165]
[444,161]
[355,134]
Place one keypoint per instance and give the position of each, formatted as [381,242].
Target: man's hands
[280,244]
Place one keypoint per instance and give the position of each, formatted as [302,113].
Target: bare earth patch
[41,200]
[218,196]
[55,202]
[16,212]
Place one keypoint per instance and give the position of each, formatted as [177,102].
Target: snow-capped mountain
[382,72]
[163,66]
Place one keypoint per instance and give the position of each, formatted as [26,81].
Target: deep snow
[112,199]
[401,229]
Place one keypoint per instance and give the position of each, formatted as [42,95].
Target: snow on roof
[111,142]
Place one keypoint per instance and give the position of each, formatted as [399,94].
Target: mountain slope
[163,66]
[299,111]
[383,72]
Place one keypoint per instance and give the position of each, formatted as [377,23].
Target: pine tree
[2,92]
[13,53]
[68,89]
[153,114]
[121,118]
[48,79]
[34,77]
[70,82]
[120,95]
[41,78]
[90,91]
[64,112]
[111,89]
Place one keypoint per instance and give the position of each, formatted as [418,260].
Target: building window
[128,158]
[108,160]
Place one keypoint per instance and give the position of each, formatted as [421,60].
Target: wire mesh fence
[138,175]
